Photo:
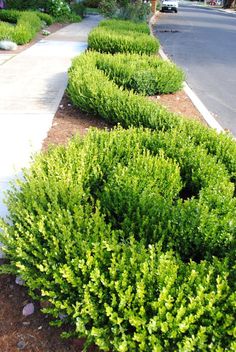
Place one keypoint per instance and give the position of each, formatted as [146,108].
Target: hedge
[122,36]
[97,230]
[28,23]
[144,74]
[123,25]
[92,91]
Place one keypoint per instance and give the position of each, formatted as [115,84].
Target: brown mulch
[33,333]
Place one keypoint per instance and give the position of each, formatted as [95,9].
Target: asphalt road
[203,42]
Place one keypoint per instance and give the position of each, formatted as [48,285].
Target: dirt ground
[33,333]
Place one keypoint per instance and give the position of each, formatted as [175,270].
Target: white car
[169,5]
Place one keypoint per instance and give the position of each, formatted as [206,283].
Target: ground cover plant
[106,230]
[114,36]
[25,26]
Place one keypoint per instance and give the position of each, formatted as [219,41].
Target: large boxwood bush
[99,229]
[114,36]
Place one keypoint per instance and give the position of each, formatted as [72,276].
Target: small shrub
[144,74]
[26,4]
[58,8]
[71,18]
[45,17]
[108,8]
[6,31]
[114,36]
[10,16]
[137,11]
[120,25]
[108,41]
[27,25]
[79,9]
[75,248]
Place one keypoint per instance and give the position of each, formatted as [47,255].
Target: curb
[207,116]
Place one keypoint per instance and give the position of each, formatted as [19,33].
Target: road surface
[203,42]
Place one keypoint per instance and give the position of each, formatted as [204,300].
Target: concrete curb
[207,116]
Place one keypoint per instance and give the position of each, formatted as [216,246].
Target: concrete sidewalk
[32,84]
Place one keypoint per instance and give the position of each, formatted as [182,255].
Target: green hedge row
[91,90]
[144,74]
[122,25]
[94,227]
[113,36]
[12,16]
[130,235]
[28,23]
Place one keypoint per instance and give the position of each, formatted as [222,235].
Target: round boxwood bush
[106,230]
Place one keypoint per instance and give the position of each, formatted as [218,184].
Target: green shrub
[79,9]
[114,36]
[6,31]
[144,74]
[27,25]
[120,25]
[137,11]
[108,8]
[58,8]
[91,91]
[10,16]
[106,41]
[26,4]
[71,18]
[45,17]
[73,245]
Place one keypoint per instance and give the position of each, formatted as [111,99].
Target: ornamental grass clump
[122,36]
[131,238]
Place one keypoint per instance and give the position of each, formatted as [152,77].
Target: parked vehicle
[169,5]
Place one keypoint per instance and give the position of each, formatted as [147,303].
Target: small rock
[21,345]
[26,323]
[61,106]
[46,32]
[19,281]
[40,328]
[68,104]
[158,97]
[28,309]
[7,45]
